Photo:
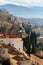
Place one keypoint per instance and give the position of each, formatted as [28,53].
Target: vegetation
[27,27]
[27,44]
[10,23]
[0,63]
[37,49]
[25,49]
[41,46]
[30,43]
[6,62]
[33,41]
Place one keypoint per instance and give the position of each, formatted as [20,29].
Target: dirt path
[13,61]
[36,59]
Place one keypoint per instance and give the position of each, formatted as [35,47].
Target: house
[39,30]
[39,39]
[14,42]
[3,52]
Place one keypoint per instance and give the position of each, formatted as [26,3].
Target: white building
[3,53]
[14,42]
[39,30]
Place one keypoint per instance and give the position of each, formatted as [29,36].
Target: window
[9,44]
[19,48]
[12,44]
[3,51]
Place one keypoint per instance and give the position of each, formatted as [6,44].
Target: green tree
[33,41]
[27,43]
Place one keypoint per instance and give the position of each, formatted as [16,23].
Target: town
[21,42]
[12,53]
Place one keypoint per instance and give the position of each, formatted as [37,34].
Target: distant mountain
[15,10]
[25,12]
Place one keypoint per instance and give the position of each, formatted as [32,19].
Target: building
[39,31]
[14,42]
[39,39]
[3,52]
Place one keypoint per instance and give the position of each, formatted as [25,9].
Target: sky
[25,3]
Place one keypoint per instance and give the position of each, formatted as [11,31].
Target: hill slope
[10,23]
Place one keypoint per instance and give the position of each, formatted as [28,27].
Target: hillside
[12,24]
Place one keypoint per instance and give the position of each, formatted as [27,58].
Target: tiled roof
[3,46]
[10,36]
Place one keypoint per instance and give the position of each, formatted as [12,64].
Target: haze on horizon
[35,13]
[26,3]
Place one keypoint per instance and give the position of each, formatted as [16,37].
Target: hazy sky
[34,12]
[26,3]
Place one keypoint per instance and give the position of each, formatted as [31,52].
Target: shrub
[25,49]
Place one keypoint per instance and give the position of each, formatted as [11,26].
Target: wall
[36,60]
[15,42]
[4,52]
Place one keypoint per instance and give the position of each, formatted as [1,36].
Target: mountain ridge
[21,11]
[25,12]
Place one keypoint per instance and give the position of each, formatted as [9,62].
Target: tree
[3,28]
[27,43]
[33,41]
[9,19]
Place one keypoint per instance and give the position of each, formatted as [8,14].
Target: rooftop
[38,30]
[10,35]
[40,39]
[3,46]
